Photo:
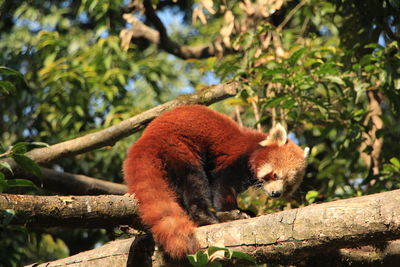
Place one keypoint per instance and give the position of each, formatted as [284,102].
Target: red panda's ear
[277,136]
[306,152]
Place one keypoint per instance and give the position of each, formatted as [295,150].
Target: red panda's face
[280,164]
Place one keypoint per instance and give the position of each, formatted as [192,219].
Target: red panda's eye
[267,177]
[271,176]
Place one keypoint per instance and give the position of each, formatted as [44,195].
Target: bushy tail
[158,206]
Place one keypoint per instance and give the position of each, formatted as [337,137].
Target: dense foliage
[330,70]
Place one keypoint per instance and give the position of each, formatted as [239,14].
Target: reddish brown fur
[178,139]
[158,207]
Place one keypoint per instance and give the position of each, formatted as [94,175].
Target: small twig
[238,117]
[290,15]
[256,114]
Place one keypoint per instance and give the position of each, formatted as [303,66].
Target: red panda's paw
[225,216]
[182,245]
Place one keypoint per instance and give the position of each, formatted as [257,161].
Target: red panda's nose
[276,193]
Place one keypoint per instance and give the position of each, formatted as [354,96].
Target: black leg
[197,198]
[186,174]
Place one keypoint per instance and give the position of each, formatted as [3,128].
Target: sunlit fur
[277,136]
[191,162]
[264,170]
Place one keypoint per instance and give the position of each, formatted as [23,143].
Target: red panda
[190,164]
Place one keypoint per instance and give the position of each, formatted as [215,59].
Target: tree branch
[123,252]
[152,16]
[291,236]
[70,211]
[78,184]
[110,135]
[141,30]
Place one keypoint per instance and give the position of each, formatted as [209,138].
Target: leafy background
[318,66]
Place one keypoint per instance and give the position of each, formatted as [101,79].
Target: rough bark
[121,253]
[292,236]
[371,139]
[70,211]
[111,254]
[110,135]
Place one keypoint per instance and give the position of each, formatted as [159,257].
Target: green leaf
[335,79]
[395,162]
[369,68]
[9,71]
[296,56]
[389,168]
[7,87]
[374,46]
[211,250]
[27,164]
[288,104]
[311,196]
[20,148]
[202,258]
[328,69]
[39,144]
[21,183]
[199,259]
[274,101]
[282,81]
[360,112]
[242,255]
[276,71]
[192,259]
[313,62]
[356,67]
[5,71]
[5,165]
[79,111]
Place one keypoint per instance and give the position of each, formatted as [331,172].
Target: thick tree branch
[291,236]
[125,128]
[70,211]
[77,184]
[122,253]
